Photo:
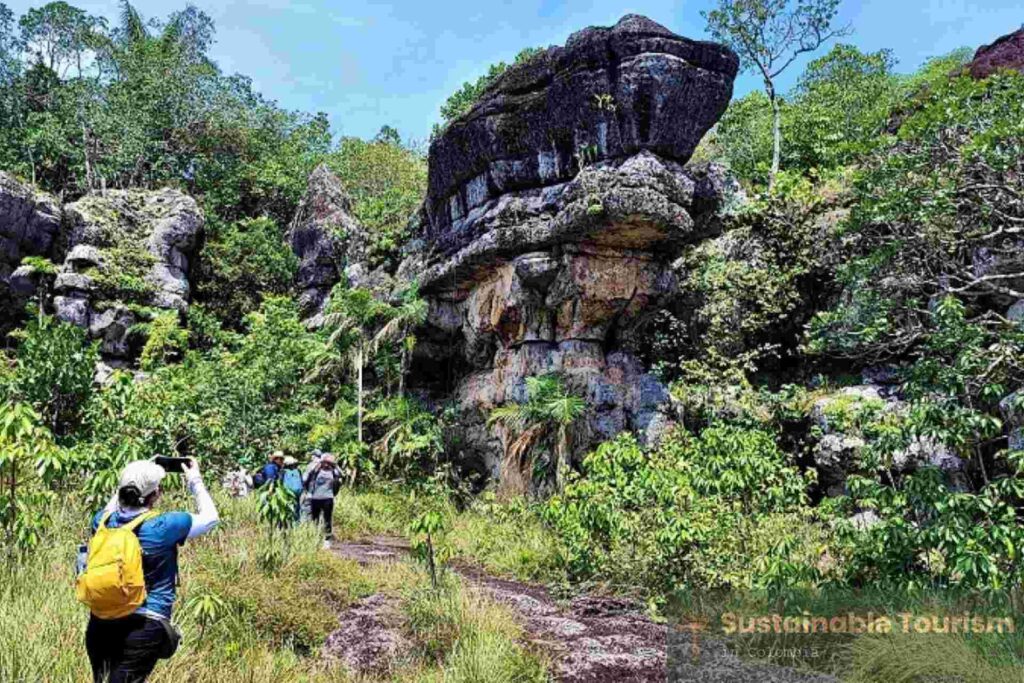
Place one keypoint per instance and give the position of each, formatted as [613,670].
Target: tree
[350,318]
[404,318]
[842,104]
[769,35]
[59,35]
[240,263]
[548,414]
[54,371]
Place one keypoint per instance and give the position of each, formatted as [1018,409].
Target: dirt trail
[589,639]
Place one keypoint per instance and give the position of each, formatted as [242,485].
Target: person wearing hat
[292,480]
[322,483]
[272,471]
[127,649]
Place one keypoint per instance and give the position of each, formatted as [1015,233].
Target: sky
[369,63]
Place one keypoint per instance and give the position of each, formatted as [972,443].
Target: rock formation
[114,253]
[29,224]
[1005,53]
[329,243]
[125,248]
[554,211]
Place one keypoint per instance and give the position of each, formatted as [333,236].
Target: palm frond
[132,25]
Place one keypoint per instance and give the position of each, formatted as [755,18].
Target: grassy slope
[256,609]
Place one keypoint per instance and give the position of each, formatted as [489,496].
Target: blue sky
[369,63]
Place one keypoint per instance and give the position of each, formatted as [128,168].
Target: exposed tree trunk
[359,392]
[561,456]
[776,132]
[88,165]
[401,372]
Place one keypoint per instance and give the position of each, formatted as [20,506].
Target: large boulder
[608,94]
[30,222]
[125,248]
[329,243]
[536,260]
[1005,53]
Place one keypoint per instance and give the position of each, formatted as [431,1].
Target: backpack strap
[103,521]
[137,522]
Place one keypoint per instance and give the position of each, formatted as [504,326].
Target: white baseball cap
[144,475]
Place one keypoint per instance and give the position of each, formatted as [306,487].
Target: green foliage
[463,99]
[277,507]
[926,207]
[142,105]
[840,108]
[749,292]
[699,511]
[53,371]
[407,438]
[386,182]
[537,435]
[768,36]
[166,341]
[426,531]
[241,263]
[29,463]
[229,406]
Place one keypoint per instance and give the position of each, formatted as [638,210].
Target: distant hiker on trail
[131,574]
[292,480]
[323,480]
[272,471]
[306,505]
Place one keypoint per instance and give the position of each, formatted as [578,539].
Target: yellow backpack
[113,585]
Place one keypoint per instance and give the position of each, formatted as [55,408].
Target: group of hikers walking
[128,575]
[314,488]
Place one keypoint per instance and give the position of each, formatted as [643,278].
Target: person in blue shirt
[126,650]
[272,471]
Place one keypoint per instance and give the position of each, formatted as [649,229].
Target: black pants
[323,512]
[125,649]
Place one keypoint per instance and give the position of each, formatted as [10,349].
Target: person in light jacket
[323,480]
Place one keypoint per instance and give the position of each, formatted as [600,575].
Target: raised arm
[205,517]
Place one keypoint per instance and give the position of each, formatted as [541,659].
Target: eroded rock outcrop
[329,243]
[1006,52]
[30,222]
[555,209]
[608,94]
[125,249]
[116,254]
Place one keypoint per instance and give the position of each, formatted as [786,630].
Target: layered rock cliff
[555,209]
[117,255]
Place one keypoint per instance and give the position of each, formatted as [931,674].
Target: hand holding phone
[176,465]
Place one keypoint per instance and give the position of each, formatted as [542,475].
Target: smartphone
[171,464]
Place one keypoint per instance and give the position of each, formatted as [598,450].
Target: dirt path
[589,639]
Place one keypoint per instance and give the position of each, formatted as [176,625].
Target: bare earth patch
[370,639]
[589,640]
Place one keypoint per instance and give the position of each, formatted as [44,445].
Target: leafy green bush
[687,513]
[53,371]
[241,263]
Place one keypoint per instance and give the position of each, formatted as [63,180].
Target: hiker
[322,483]
[306,506]
[292,480]
[272,471]
[130,624]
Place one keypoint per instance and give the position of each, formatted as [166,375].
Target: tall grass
[255,605]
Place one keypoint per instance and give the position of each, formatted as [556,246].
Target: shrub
[53,371]
[689,512]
